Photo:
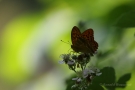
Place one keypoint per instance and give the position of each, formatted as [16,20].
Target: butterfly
[83,42]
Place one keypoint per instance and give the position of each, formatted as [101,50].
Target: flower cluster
[86,77]
[85,74]
[76,60]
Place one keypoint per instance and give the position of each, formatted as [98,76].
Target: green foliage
[122,16]
[69,82]
[101,55]
[126,20]
[123,79]
[107,80]
[117,12]
[95,87]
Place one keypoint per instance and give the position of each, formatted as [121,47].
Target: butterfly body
[83,42]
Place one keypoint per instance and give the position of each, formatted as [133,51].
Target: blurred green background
[31,30]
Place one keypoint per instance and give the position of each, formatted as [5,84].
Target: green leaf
[107,78]
[115,13]
[122,80]
[95,87]
[127,20]
[70,83]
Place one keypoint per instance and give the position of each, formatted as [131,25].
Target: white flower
[60,61]
[85,73]
[98,74]
[91,77]
[65,57]
[77,79]
[74,86]
[70,62]
[91,71]
[95,70]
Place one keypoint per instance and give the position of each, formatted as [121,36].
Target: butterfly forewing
[95,45]
[88,35]
[75,33]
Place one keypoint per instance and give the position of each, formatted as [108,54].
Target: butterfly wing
[95,45]
[83,42]
[88,35]
[78,45]
[75,33]
[91,43]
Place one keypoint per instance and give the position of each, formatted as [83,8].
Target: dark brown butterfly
[83,42]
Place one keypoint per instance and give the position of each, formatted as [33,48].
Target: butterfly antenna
[66,42]
[70,43]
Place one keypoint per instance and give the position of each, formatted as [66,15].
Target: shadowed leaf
[122,80]
[107,78]
[127,20]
